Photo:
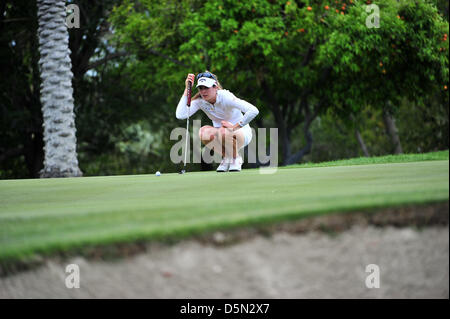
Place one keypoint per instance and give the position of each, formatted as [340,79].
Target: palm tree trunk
[60,158]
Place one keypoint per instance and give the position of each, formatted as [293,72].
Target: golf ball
[158,173]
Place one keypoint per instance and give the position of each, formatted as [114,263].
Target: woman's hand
[230,126]
[226,124]
[190,78]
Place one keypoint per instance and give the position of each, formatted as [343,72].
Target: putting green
[46,215]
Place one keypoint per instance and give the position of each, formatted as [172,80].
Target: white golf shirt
[227,108]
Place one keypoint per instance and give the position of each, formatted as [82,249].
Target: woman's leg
[232,141]
[222,140]
[209,137]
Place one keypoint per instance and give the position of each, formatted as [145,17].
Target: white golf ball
[158,173]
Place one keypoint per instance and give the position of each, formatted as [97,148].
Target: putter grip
[189,90]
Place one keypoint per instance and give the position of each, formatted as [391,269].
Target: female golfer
[230,131]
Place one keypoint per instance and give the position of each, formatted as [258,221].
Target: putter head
[182,171]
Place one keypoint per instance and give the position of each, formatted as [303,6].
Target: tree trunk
[283,134]
[283,130]
[297,157]
[361,143]
[392,131]
[60,158]
[309,118]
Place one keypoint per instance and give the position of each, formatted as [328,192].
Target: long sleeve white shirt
[227,108]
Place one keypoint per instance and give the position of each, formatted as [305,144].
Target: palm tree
[56,91]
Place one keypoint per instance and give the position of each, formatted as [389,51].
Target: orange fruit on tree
[309,8]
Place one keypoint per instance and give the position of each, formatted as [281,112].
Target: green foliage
[422,128]
[387,159]
[287,56]
[401,58]
[136,150]
[21,144]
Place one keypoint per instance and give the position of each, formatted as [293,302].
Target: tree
[56,91]
[100,95]
[21,143]
[294,59]
[403,58]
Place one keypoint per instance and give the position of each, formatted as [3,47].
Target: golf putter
[189,89]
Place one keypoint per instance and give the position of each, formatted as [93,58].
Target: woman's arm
[182,109]
[250,111]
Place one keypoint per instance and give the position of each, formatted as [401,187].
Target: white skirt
[247,130]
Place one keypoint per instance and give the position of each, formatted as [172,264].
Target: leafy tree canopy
[292,58]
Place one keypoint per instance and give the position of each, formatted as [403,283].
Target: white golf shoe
[224,165]
[235,165]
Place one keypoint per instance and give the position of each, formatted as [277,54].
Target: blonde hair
[219,87]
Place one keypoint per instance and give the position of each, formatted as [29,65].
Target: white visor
[208,82]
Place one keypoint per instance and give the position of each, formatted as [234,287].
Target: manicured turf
[48,215]
[402,158]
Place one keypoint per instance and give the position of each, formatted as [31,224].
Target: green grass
[403,158]
[43,216]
